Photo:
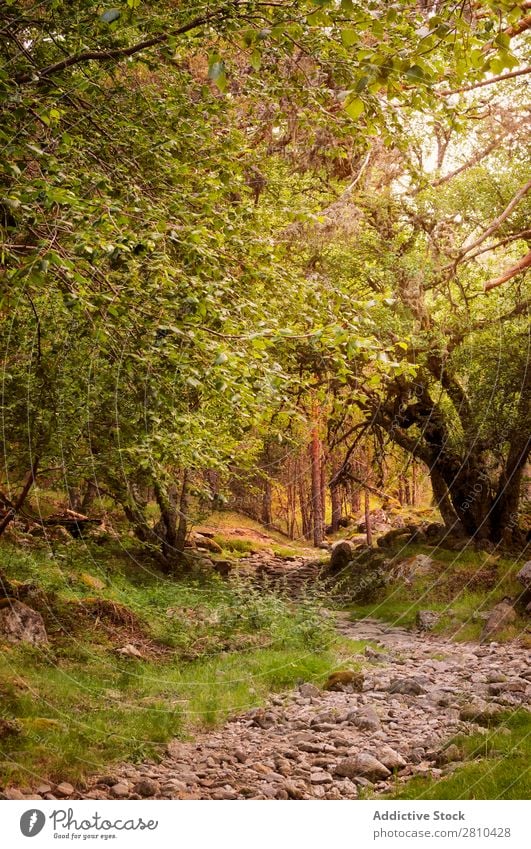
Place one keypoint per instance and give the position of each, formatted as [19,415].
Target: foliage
[497,766]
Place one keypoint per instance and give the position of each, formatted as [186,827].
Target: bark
[305,518]
[442,501]
[366,506]
[267,503]
[317,506]
[335,498]
[90,494]
[182,526]
[19,503]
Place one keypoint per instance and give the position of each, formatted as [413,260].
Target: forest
[266,393]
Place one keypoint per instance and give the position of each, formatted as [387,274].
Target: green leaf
[415,73]
[349,37]
[256,60]
[354,108]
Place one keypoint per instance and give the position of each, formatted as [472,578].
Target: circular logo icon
[32,822]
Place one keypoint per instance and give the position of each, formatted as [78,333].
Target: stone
[426,620]
[500,616]
[364,765]
[480,712]
[146,787]
[64,789]
[9,728]
[448,755]
[366,719]
[413,567]
[309,691]
[320,778]
[524,575]
[120,791]
[341,556]
[202,541]
[175,786]
[389,757]
[13,794]
[21,624]
[337,681]
[43,788]
[407,686]
[129,650]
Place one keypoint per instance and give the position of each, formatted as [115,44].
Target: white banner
[265,825]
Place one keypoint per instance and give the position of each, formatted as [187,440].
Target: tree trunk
[335,498]
[303,503]
[12,511]
[89,495]
[366,506]
[267,502]
[441,500]
[182,527]
[317,507]
[74,498]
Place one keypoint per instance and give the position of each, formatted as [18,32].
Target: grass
[461,587]
[497,766]
[210,650]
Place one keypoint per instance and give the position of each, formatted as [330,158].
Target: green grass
[461,587]
[498,766]
[211,650]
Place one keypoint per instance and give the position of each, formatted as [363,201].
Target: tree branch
[117,52]
[519,73]
[509,273]
[469,163]
[499,220]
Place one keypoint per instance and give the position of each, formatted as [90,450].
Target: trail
[419,691]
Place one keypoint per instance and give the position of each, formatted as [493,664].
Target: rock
[426,620]
[480,712]
[43,788]
[366,719]
[203,541]
[120,791]
[448,755]
[13,794]
[341,556]
[435,531]
[8,728]
[320,778]
[21,624]
[337,681]
[175,786]
[524,577]
[364,765]
[129,650]
[64,789]
[309,691]
[146,787]
[413,567]
[389,757]
[406,686]
[389,539]
[500,616]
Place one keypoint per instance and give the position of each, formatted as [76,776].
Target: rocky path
[418,691]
